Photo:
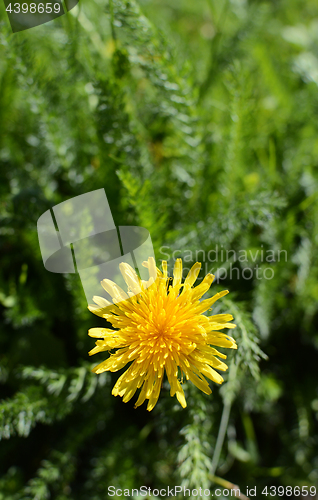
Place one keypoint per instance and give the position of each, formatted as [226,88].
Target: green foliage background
[200,121]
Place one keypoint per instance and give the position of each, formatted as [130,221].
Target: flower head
[160,327]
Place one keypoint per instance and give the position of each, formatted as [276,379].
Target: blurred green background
[200,120]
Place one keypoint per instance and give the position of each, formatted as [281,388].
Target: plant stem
[224,420]
[111,8]
[221,435]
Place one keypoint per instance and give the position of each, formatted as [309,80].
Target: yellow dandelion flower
[160,327]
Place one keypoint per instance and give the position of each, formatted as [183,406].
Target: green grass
[200,121]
